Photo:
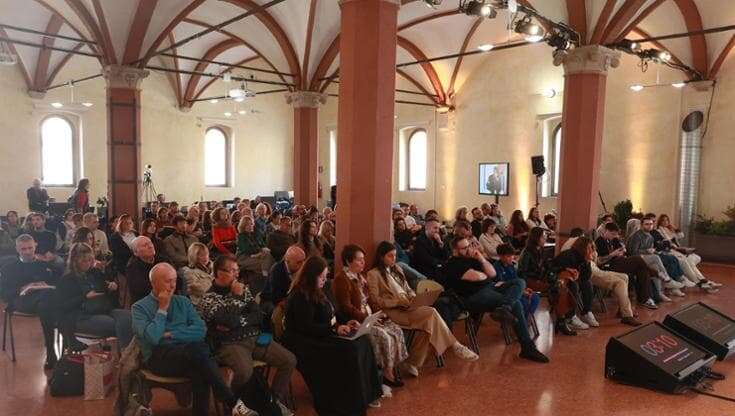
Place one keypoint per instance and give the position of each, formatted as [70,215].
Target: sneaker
[410,369]
[665,298]
[563,327]
[677,292]
[714,284]
[241,410]
[464,353]
[650,304]
[387,391]
[688,283]
[375,404]
[532,354]
[576,323]
[629,320]
[285,411]
[711,290]
[589,318]
[673,284]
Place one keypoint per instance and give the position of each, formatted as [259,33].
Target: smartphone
[264,339]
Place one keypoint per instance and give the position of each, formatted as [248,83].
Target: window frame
[554,155]
[228,157]
[408,160]
[75,150]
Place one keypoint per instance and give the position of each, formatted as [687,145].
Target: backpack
[67,378]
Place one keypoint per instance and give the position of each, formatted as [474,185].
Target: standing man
[37,197]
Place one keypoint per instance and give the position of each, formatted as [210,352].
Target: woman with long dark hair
[517,229]
[79,200]
[308,238]
[341,374]
[575,263]
[390,292]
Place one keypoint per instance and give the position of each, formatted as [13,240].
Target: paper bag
[99,375]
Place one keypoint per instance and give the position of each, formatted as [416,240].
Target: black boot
[563,327]
[530,352]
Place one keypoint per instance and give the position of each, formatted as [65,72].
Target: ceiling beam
[463,49]
[642,15]
[577,12]
[698,43]
[40,78]
[721,58]
[602,20]
[625,14]
[138,30]
[307,48]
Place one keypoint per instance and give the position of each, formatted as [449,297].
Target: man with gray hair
[171,337]
[27,286]
[139,266]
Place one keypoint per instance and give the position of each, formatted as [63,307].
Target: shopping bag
[99,377]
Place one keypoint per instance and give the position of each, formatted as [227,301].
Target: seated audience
[101,246]
[12,224]
[611,256]
[641,243]
[506,272]
[550,226]
[234,331]
[36,226]
[7,244]
[281,276]
[224,234]
[163,217]
[252,254]
[413,212]
[193,220]
[476,223]
[281,239]
[412,275]
[351,294]
[27,286]
[473,279]
[328,240]
[341,374]
[79,200]
[68,228]
[274,221]
[497,215]
[402,234]
[576,263]
[37,197]
[389,292]
[533,266]
[149,228]
[461,214]
[464,229]
[121,243]
[198,272]
[534,219]
[261,221]
[517,230]
[604,219]
[428,254]
[490,239]
[87,302]
[139,267]
[665,238]
[176,246]
[308,239]
[171,336]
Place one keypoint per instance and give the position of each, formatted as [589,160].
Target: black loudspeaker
[655,357]
[706,326]
[537,165]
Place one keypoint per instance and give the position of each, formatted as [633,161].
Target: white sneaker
[387,391]
[589,318]
[410,369]
[464,353]
[714,284]
[285,411]
[677,292]
[673,284]
[375,404]
[665,298]
[709,288]
[241,410]
[650,304]
[577,323]
[689,283]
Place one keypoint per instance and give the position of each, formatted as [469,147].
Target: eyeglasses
[232,270]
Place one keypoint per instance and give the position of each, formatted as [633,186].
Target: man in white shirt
[101,246]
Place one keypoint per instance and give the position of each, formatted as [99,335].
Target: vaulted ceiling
[298,40]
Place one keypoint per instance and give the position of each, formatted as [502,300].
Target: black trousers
[196,362]
[40,302]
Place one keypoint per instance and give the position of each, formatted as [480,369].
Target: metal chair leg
[5,326]
[12,338]
[534,326]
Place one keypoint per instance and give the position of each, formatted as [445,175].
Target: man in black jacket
[428,252]
[37,197]
[279,279]
[139,267]
[234,322]
[27,286]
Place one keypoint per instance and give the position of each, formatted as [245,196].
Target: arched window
[417,159]
[555,160]
[57,152]
[215,157]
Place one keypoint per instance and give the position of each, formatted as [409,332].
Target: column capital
[306,99]
[592,59]
[121,76]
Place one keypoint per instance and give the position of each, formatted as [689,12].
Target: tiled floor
[498,384]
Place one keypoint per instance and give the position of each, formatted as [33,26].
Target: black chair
[8,315]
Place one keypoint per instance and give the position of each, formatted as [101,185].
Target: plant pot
[715,248]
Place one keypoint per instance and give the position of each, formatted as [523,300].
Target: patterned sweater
[229,317]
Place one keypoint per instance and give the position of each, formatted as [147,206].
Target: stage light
[559,41]
[228,114]
[236,93]
[485,47]
[57,105]
[481,8]
[664,56]
[213,101]
[636,87]
[531,31]
[635,47]
[433,4]
[678,84]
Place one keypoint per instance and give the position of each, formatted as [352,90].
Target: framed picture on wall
[494,178]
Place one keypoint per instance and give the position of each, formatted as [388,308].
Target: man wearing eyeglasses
[474,279]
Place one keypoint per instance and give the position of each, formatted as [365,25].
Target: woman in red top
[224,235]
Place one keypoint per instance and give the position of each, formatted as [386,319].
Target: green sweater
[249,244]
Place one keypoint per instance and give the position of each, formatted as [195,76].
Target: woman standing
[351,293]
[198,274]
[87,302]
[389,291]
[79,200]
[341,374]
[224,234]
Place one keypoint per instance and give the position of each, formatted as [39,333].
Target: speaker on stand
[538,168]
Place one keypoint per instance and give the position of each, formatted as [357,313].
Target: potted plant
[715,240]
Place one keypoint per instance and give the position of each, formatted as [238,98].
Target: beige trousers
[617,283]
[431,331]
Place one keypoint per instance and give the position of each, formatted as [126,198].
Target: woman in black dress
[342,375]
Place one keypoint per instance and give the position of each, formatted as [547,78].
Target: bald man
[139,268]
[281,274]
[171,337]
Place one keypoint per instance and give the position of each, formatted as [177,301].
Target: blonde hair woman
[198,273]
[252,255]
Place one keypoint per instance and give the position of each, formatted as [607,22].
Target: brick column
[305,145]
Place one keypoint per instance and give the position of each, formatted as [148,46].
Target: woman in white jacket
[198,273]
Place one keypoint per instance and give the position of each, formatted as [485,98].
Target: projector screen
[494,178]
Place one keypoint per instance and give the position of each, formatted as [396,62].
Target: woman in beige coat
[198,274]
[389,291]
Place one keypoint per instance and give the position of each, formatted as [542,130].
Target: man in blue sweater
[171,336]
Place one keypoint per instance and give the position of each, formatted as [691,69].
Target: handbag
[67,378]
